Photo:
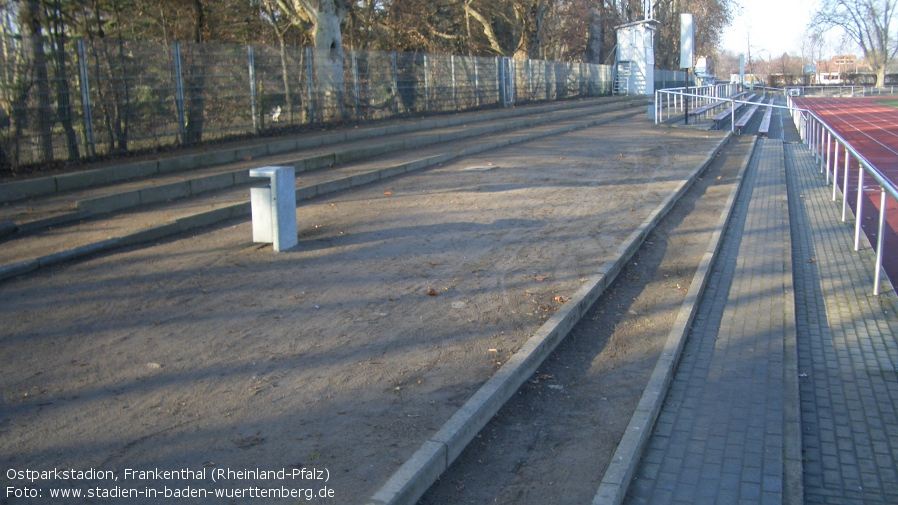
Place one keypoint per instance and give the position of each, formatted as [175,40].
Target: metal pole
[395,80]
[858,215]
[836,170]
[179,92]
[426,83]
[311,75]
[90,146]
[454,89]
[512,79]
[355,83]
[733,116]
[500,81]
[829,137]
[880,239]
[251,62]
[530,77]
[686,99]
[476,84]
[845,188]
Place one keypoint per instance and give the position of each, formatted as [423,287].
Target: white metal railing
[672,102]
[837,91]
[824,143]
[820,138]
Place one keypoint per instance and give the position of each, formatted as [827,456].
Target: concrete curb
[417,474]
[793,467]
[243,209]
[622,467]
[20,190]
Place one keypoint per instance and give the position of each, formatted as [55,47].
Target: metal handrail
[815,132]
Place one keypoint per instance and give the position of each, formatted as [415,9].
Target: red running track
[872,129]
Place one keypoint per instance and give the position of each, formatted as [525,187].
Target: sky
[775,27]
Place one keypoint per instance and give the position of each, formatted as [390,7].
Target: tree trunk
[329,56]
[530,14]
[195,111]
[63,96]
[32,20]
[593,53]
[288,94]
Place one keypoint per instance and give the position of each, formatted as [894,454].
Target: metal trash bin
[274,207]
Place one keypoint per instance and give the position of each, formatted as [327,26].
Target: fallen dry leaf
[387,193]
[561,299]
[812,261]
[432,292]
[540,278]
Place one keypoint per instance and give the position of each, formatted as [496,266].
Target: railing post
[845,186]
[733,116]
[835,169]
[859,212]
[86,115]
[179,91]
[251,62]
[880,239]
[829,137]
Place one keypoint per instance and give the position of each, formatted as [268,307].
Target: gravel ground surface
[208,352]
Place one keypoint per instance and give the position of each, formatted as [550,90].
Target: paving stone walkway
[719,437]
[786,391]
[847,351]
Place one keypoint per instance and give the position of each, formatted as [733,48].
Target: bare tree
[868,23]
[324,17]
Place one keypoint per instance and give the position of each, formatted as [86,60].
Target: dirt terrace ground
[345,354]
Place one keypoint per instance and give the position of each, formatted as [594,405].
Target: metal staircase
[628,78]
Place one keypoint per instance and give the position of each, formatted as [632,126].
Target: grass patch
[890,103]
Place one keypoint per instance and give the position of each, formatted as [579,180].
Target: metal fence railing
[839,91]
[824,142]
[83,98]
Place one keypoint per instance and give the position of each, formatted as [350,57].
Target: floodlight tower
[634,63]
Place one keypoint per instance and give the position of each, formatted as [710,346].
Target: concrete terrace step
[147,223]
[37,213]
[207,157]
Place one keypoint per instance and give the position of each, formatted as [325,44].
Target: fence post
[426,83]
[355,83]
[396,99]
[500,81]
[86,116]
[476,84]
[530,79]
[253,95]
[311,76]
[454,90]
[179,92]
[512,81]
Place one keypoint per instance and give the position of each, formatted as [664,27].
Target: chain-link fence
[665,79]
[81,98]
